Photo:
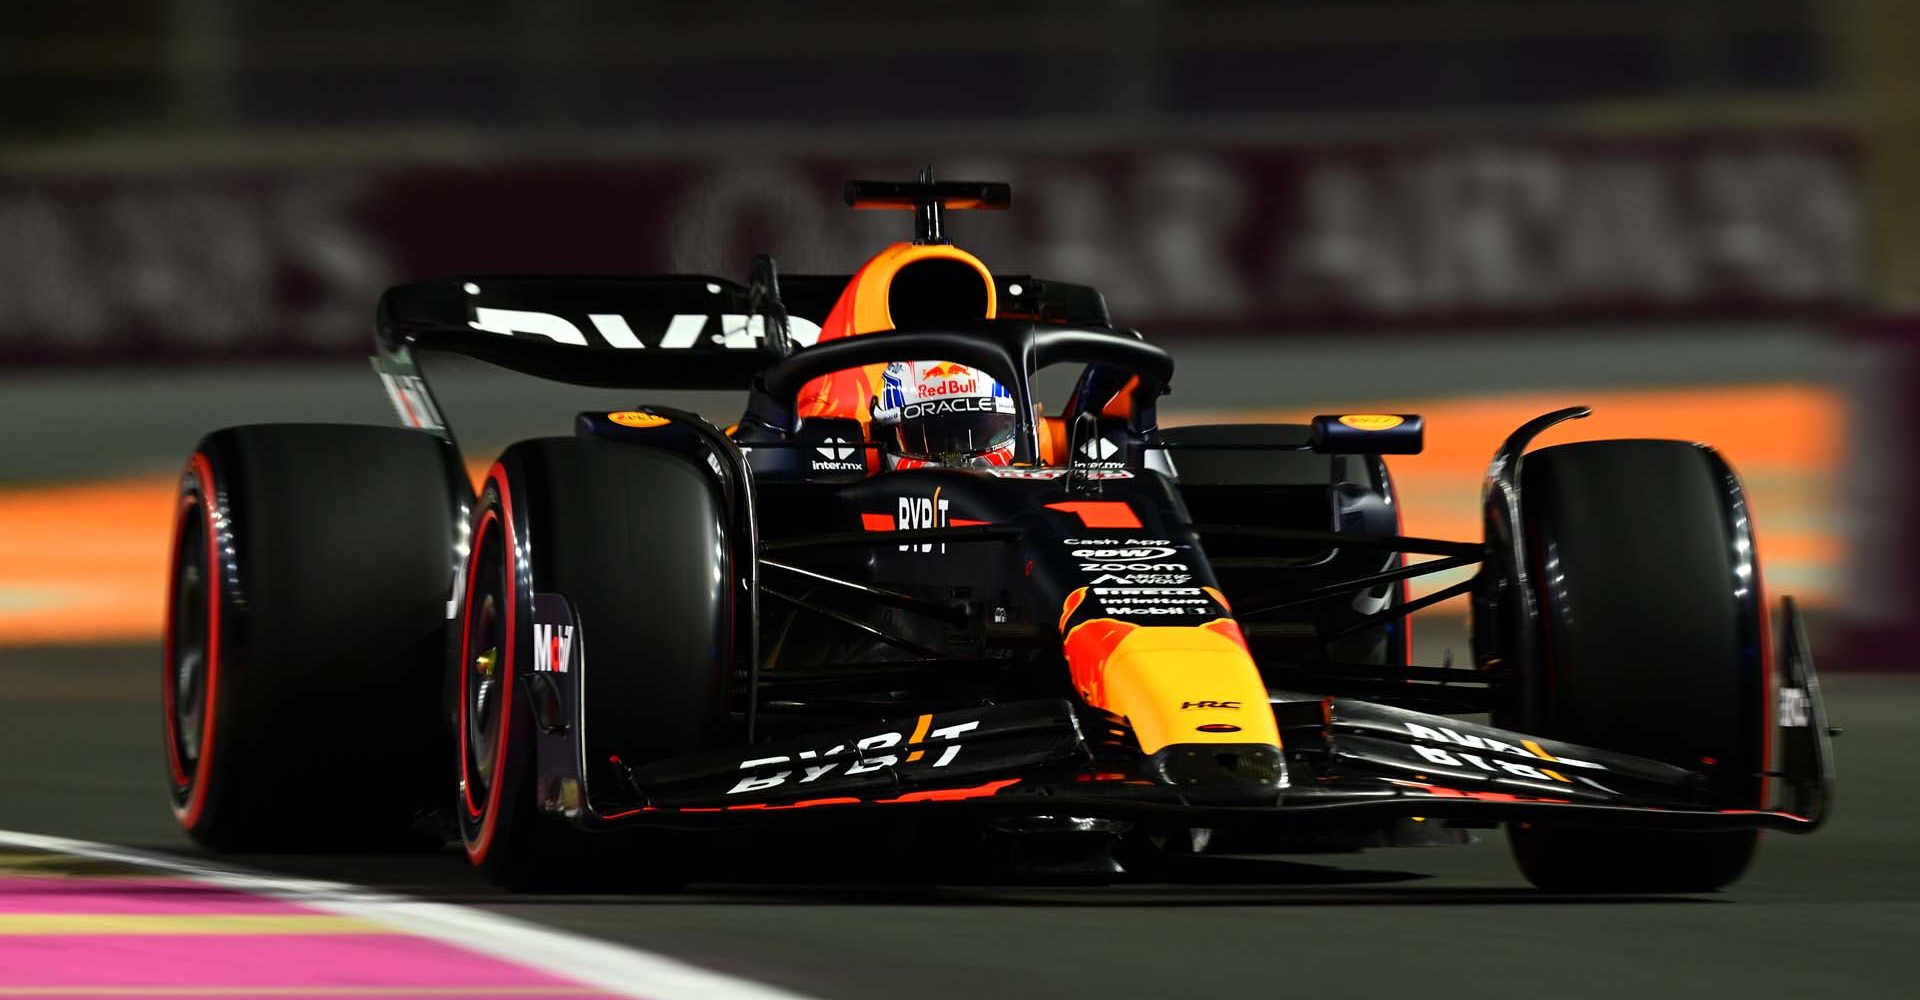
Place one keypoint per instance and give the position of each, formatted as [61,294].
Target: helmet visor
[955,428]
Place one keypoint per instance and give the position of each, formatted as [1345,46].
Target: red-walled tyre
[635,540]
[500,825]
[1654,643]
[305,635]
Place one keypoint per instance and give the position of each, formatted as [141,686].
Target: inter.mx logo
[837,449]
[1099,449]
[837,455]
[552,647]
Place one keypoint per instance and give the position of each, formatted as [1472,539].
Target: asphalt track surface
[1834,914]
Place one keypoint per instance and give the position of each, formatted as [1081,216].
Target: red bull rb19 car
[648,626]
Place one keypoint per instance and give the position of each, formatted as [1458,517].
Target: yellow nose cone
[1187,685]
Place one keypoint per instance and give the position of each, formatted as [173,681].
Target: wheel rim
[186,680]
[482,673]
[482,716]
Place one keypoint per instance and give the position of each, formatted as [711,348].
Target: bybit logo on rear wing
[684,330]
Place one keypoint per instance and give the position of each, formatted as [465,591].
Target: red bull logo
[944,378]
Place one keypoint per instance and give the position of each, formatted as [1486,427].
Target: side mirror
[1081,435]
[1369,434]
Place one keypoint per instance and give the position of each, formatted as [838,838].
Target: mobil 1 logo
[556,649]
[1156,601]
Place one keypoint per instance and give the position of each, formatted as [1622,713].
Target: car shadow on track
[773,881]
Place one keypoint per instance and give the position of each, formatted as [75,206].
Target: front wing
[1346,761]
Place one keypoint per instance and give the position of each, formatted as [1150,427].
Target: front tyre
[638,542]
[1653,643]
[498,824]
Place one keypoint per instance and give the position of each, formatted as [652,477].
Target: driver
[938,413]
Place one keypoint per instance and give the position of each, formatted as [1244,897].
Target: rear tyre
[1653,644]
[637,541]
[307,605]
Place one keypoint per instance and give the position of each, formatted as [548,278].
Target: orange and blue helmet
[943,413]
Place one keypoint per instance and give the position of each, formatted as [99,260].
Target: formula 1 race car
[652,629]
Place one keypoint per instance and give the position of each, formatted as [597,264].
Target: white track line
[616,969]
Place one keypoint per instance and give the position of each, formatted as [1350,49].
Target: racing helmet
[942,413]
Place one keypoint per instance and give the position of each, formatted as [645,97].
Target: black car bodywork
[900,640]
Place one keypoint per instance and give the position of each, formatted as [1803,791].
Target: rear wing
[674,331]
[690,331]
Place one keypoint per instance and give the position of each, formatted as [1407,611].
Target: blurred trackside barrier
[1779,438]
[87,562]
[283,254]
[1878,625]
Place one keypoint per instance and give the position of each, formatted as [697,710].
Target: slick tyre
[305,634]
[1653,643]
[635,540]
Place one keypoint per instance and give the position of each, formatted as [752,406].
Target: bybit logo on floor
[922,512]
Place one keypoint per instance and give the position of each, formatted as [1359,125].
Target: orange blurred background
[87,562]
